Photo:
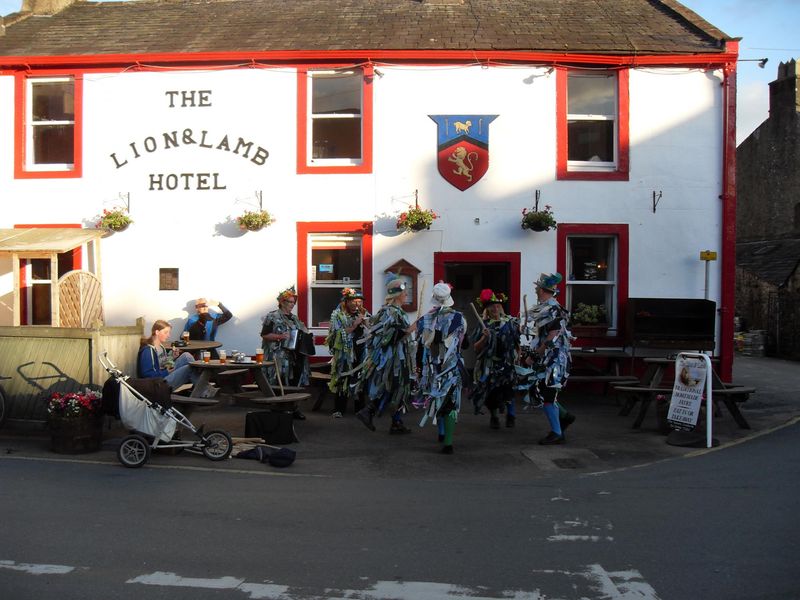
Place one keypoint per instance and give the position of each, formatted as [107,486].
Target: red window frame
[305,228]
[621,173]
[20,150]
[303,166]
[623,243]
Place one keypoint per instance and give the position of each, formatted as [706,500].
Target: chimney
[45,7]
[783,96]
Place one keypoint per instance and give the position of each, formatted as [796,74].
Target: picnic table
[649,388]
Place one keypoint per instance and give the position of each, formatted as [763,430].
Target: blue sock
[551,410]
[510,410]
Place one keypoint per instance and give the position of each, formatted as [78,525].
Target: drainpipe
[728,246]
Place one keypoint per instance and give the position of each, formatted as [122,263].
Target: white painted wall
[675,130]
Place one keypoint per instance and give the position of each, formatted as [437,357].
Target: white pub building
[338,117]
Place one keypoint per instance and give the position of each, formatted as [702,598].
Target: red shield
[463,162]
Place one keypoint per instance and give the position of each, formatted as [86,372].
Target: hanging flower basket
[538,220]
[254,220]
[115,220]
[416,219]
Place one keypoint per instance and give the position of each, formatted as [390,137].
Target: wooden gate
[80,300]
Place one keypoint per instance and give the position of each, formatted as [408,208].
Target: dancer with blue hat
[549,355]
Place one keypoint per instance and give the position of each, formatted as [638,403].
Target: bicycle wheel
[4,407]
[217,445]
[134,451]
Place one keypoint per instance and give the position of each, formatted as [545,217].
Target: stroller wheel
[217,445]
[134,451]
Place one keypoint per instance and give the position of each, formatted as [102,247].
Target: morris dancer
[388,370]
[293,366]
[441,332]
[496,350]
[550,356]
[346,328]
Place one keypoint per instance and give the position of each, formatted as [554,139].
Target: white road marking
[579,538]
[173,580]
[34,569]
[621,585]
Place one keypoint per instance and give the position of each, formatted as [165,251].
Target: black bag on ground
[274,427]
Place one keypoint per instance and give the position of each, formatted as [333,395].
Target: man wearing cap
[204,323]
[388,371]
[496,348]
[345,330]
[547,326]
[441,332]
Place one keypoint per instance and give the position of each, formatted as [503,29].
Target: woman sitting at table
[277,328]
[154,360]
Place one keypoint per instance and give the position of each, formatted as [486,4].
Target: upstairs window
[335,129]
[48,127]
[593,125]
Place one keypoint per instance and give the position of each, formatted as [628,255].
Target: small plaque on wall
[410,275]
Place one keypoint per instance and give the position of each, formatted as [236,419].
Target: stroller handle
[110,366]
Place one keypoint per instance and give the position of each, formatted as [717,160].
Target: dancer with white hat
[441,331]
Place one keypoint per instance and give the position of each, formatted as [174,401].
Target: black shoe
[297,415]
[565,421]
[552,438]
[494,422]
[398,427]
[447,449]
[511,420]
[365,416]
[441,437]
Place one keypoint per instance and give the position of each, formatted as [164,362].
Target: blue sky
[768,29]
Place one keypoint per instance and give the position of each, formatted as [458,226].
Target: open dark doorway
[471,272]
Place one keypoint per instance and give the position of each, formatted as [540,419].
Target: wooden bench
[230,380]
[186,404]
[602,379]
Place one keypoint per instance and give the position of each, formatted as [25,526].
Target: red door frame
[512,258]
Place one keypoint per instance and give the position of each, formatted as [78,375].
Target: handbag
[305,343]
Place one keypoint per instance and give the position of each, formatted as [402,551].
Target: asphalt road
[719,525]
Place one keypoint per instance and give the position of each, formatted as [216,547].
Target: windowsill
[594,175]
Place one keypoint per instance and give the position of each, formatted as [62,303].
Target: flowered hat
[394,286]
[488,297]
[549,282]
[441,295]
[289,292]
[351,294]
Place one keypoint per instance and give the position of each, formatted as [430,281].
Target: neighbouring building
[768,220]
[336,118]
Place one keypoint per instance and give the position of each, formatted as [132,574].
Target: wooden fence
[43,360]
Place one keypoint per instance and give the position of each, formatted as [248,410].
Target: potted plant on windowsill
[254,220]
[538,220]
[116,219]
[589,320]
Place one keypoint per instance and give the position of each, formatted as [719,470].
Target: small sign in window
[168,279]
[326,268]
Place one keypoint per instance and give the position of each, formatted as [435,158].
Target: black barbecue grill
[671,323]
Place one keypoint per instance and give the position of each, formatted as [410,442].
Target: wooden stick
[525,308]
[477,316]
[419,303]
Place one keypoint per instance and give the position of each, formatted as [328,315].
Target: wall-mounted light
[762,62]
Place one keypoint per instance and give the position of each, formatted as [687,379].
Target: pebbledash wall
[676,151]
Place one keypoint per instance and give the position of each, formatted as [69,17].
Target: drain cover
[567,463]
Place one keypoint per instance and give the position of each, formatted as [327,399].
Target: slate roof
[774,261]
[623,27]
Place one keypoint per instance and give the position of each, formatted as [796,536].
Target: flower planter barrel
[76,436]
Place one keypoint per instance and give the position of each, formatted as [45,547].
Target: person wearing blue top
[154,360]
[198,325]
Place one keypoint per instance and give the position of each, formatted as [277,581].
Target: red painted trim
[23,292]
[728,241]
[623,264]
[303,229]
[20,79]
[303,166]
[250,59]
[512,258]
[623,132]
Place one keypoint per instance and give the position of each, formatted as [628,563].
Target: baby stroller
[151,420]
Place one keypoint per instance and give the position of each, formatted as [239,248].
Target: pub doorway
[471,272]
